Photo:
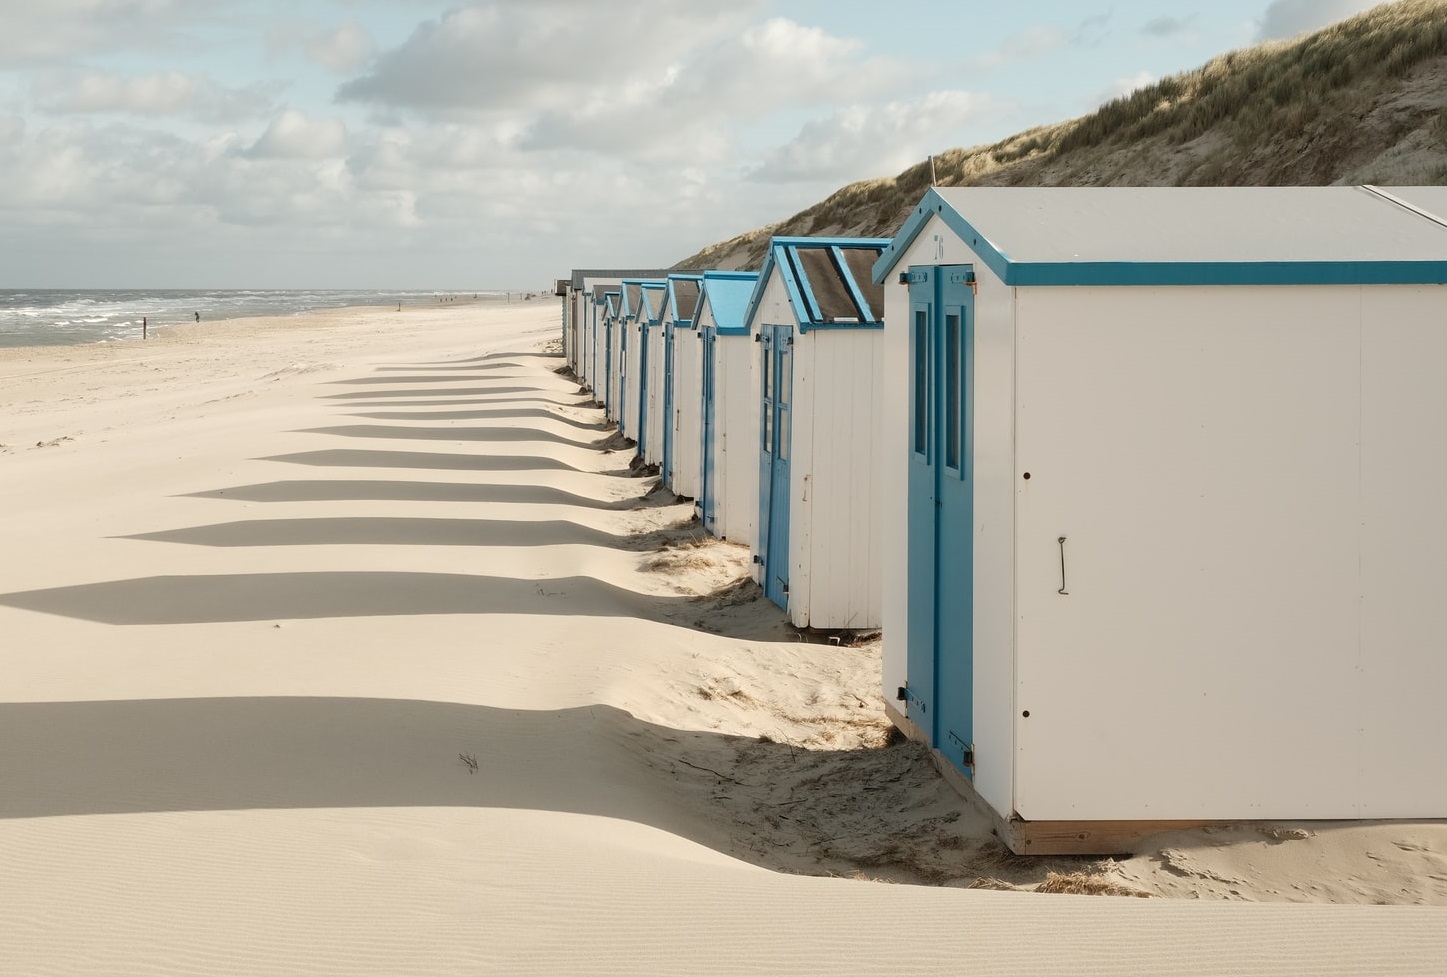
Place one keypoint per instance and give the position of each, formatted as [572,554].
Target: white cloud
[343,50]
[874,140]
[1288,18]
[162,94]
[292,135]
[59,30]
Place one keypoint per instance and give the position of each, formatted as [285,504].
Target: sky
[500,143]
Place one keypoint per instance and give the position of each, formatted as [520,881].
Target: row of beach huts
[1147,488]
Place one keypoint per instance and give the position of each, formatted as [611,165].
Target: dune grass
[1323,108]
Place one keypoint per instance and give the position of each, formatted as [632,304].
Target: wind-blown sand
[265,584]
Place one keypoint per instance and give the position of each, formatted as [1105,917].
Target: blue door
[777,390]
[940,622]
[708,501]
[668,419]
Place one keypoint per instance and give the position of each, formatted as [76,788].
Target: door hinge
[967,750]
[756,558]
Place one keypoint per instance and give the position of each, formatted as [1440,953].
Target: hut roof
[727,294]
[827,279]
[1192,235]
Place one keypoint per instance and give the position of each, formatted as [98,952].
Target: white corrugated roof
[1197,224]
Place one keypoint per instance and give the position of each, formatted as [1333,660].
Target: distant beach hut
[681,433]
[818,318]
[729,475]
[583,306]
[1163,512]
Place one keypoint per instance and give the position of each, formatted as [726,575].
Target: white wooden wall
[1253,549]
[687,420]
[834,537]
[632,377]
[737,419]
[613,363]
[653,444]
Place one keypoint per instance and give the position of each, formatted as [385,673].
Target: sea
[63,317]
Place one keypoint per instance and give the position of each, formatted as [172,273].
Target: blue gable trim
[807,314]
[1051,273]
[728,294]
[671,302]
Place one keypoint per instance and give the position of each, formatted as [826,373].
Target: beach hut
[633,313]
[1163,513]
[682,429]
[728,502]
[583,307]
[818,319]
[607,352]
[652,299]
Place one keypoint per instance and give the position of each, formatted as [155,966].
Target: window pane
[786,375]
[785,433]
[921,381]
[952,391]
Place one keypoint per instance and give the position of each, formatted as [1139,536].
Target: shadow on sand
[434,460]
[496,435]
[381,490]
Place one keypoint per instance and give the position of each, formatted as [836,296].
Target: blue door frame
[668,423]
[939,690]
[776,388]
[708,500]
[642,437]
[623,375]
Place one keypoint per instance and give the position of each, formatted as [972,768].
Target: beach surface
[349,644]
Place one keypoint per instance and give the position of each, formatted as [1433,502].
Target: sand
[344,644]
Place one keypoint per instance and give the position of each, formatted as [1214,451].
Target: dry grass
[1310,111]
[1087,884]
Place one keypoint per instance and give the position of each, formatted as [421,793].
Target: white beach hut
[728,501]
[1163,514]
[638,301]
[682,434]
[818,318]
[584,327]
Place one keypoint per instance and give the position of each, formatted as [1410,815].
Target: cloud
[164,94]
[873,139]
[1288,18]
[1039,41]
[292,135]
[343,50]
[60,30]
[512,56]
[1167,26]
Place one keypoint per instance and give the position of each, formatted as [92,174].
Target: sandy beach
[348,644]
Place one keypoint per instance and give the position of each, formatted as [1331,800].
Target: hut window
[921,382]
[952,391]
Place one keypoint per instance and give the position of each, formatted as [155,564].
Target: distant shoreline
[32,318]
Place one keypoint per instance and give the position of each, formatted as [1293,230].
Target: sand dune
[268,591]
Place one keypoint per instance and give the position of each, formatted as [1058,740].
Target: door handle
[1062,589]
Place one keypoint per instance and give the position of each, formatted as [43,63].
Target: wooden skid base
[1043,837]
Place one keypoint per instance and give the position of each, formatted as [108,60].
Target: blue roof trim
[728,294]
[807,314]
[672,301]
[651,296]
[1228,273]
[1062,273]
